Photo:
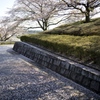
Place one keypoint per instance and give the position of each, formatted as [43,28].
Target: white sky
[5,5]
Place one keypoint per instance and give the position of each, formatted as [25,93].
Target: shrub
[86,49]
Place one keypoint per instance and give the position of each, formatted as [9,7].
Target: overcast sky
[5,5]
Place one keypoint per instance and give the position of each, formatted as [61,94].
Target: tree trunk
[87,17]
[87,14]
[45,24]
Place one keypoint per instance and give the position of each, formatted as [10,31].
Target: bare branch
[85,6]
[41,11]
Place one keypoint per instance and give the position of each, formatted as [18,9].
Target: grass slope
[83,48]
[78,28]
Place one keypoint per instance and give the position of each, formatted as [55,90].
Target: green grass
[83,48]
[78,28]
[6,42]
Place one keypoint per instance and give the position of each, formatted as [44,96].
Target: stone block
[48,59]
[40,56]
[53,67]
[35,59]
[28,54]
[24,52]
[67,65]
[67,73]
[44,58]
[95,86]
[73,76]
[85,73]
[72,67]
[19,50]
[57,62]
[49,66]
[45,64]
[32,57]
[78,70]
[51,61]
[63,64]
[86,82]
[36,55]
[62,70]
[58,69]
[79,78]
[96,78]
[91,75]
[39,61]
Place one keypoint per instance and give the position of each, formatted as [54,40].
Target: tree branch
[63,19]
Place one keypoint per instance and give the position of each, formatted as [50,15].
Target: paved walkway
[22,79]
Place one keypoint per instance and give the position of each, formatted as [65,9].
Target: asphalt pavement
[23,79]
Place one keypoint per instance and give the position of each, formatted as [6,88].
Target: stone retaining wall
[81,74]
